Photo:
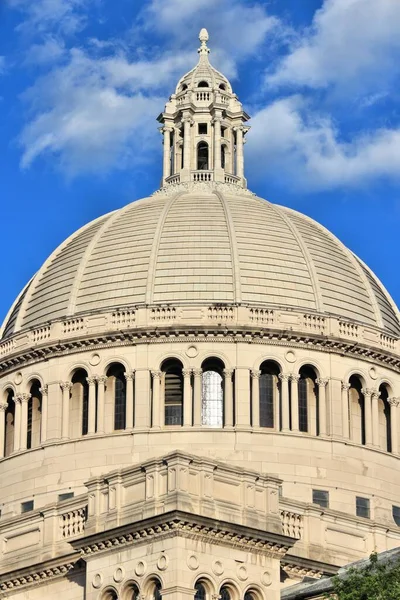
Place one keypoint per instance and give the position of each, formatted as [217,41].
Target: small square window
[26,506]
[223,130]
[203,128]
[362,507]
[66,496]
[320,497]
[396,515]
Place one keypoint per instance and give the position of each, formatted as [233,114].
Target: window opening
[203,128]
[200,592]
[27,506]
[173,390]
[203,84]
[202,156]
[396,515]
[65,496]
[362,507]
[225,594]
[223,156]
[320,497]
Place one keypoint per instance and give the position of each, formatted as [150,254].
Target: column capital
[228,373]
[3,406]
[197,372]
[22,398]
[395,402]
[322,381]
[91,380]
[345,386]
[186,372]
[294,377]
[156,374]
[367,391]
[188,120]
[101,378]
[129,376]
[65,385]
[375,394]
[255,374]
[284,376]
[44,390]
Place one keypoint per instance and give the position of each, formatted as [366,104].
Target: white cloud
[50,51]
[350,43]
[62,16]
[289,142]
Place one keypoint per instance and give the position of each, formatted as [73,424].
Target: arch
[228,591]
[31,378]
[222,86]
[79,404]
[270,393]
[130,591]
[202,156]
[116,395]
[253,593]
[173,391]
[9,423]
[109,593]
[385,425]
[184,87]
[152,588]
[203,83]
[201,591]
[77,367]
[357,373]
[34,414]
[357,409]
[120,360]
[212,392]
[308,399]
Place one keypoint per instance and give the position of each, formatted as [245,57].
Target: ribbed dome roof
[203,247]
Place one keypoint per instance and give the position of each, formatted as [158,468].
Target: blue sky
[82,82]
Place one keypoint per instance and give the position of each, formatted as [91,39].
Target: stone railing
[202,176]
[232,179]
[72,523]
[292,523]
[172,179]
[128,318]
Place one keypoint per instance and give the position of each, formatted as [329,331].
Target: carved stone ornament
[193,562]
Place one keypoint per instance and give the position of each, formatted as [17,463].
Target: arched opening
[184,87]
[154,590]
[201,593]
[212,393]
[172,153]
[225,593]
[308,400]
[173,392]
[9,423]
[79,404]
[117,391]
[202,156]
[385,430]
[269,393]
[131,592]
[223,156]
[203,84]
[222,86]
[34,415]
[357,410]
[109,594]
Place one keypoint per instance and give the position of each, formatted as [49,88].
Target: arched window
[357,410]
[269,393]
[116,374]
[222,86]
[132,592]
[212,396]
[385,429]
[225,593]
[154,590]
[308,400]
[79,404]
[202,156]
[249,596]
[173,392]
[34,415]
[184,87]
[203,84]
[9,424]
[109,595]
[223,156]
[200,592]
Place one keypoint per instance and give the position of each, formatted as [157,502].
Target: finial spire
[203,37]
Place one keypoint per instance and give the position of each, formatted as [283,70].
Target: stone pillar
[198,373]
[167,152]
[368,415]
[217,143]
[322,383]
[24,399]
[130,377]
[228,398]
[187,123]
[3,408]
[162,399]
[294,400]
[394,431]
[285,400]
[156,417]
[239,152]
[17,423]
[375,417]
[187,397]
[143,401]
[101,384]
[345,410]
[255,397]
[43,421]
[66,387]
[92,405]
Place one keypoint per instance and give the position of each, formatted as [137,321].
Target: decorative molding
[322,382]
[38,574]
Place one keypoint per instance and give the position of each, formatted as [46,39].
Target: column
[239,152]
[66,387]
[101,387]
[285,400]
[375,417]
[43,421]
[394,427]
[130,377]
[17,423]
[187,123]
[167,152]
[24,399]
[255,397]
[345,410]
[187,397]
[92,405]
[294,400]
[368,415]
[228,398]
[156,375]
[197,396]
[322,383]
[3,408]
[217,142]
[162,399]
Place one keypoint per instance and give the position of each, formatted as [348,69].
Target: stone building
[199,392]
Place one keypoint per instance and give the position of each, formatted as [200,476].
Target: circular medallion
[119,574]
[373,373]
[192,352]
[192,562]
[162,562]
[97,581]
[140,568]
[290,356]
[94,359]
[242,573]
[218,567]
[266,578]
[18,378]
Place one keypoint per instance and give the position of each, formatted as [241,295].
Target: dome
[200,247]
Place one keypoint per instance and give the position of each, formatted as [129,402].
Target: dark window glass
[203,84]
[222,86]
[248,596]
[26,506]
[223,153]
[157,588]
[203,128]
[362,507]
[225,594]
[85,407]
[303,408]
[396,514]
[267,385]
[173,396]
[29,431]
[202,156]
[320,497]
[200,592]
[120,401]
[66,496]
